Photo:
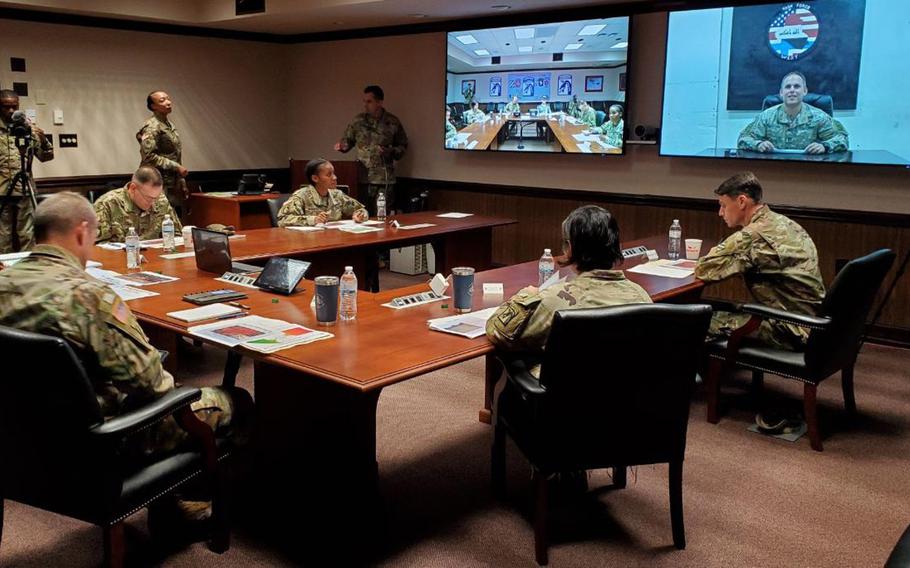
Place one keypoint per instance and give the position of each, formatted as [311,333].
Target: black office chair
[614,391]
[823,102]
[418,203]
[599,117]
[275,206]
[833,345]
[59,455]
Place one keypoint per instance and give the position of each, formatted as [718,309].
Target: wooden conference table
[316,403]
[486,133]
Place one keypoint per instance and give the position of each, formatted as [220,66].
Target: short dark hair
[61,213]
[376,91]
[312,168]
[798,74]
[147,174]
[148,99]
[593,236]
[744,183]
[8,94]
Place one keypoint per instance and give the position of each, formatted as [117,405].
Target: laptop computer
[213,253]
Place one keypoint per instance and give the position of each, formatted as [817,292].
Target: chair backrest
[599,117]
[847,303]
[823,102]
[275,206]
[45,415]
[619,381]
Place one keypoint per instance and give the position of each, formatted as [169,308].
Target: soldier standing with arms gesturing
[160,147]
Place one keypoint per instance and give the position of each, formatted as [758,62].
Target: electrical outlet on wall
[69,141]
[58,116]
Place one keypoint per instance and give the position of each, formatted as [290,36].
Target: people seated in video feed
[586,114]
[513,106]
[612,129]
[474,114]
[793,124]
[451,131]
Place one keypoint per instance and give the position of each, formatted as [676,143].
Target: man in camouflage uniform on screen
[50,293]
[17,215]
[523,323]
[775,256]
[380,140]
[160,147]
[793,124]
[139,204]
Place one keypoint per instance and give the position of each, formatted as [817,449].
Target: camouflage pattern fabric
[587,116]
[116,213]
[543,108]
[572,108]
[523,323]
[451,131]
[810,125]
[779,264]
[366,135]
[306,203]
[612,132]
[160,147]
[474,116]
[512,107]
[17,207]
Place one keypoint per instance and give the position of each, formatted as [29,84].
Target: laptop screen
[213,253]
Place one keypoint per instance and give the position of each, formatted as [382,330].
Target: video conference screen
[825,80]
[558,87]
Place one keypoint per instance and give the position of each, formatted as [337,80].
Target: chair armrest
[151,413]
[517,373]
[722,305]
[802,320]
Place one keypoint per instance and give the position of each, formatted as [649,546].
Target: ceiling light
[466,39]
[621,45]
[500,7]
[524,33]
[525,49]
[572,46]
[481,52]
[593,29]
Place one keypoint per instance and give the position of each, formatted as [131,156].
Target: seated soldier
[590,245]
[141,204]
[49,292]
[319,201]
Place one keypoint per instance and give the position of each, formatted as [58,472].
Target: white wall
[230,97]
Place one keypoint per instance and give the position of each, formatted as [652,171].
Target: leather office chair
[558,106]
[833,344]
[418,203]
[599,117]
[900,555]
[59,455]
[275,206]
[627,406]
[823,102]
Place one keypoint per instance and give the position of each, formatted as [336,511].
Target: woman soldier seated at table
[320,201]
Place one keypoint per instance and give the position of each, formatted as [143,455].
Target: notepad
[454,215]
[203,313]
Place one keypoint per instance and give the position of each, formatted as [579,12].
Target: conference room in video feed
[556,87]
[812,81]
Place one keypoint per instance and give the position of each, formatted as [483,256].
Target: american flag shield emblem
[793,31]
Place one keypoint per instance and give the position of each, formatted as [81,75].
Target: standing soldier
[16,211]
[160,147]
[379,139]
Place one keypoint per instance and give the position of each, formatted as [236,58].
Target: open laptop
[213,253]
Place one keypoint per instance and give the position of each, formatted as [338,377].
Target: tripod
[22,180]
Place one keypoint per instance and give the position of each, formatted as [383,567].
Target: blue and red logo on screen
[793,31]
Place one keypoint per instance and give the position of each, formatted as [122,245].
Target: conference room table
[316,403]
[486,135]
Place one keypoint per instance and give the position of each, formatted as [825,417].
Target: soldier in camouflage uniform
[793,124]
[612,129]
[139,204]
[586,114]
[512,106]
[379,139]
[17,215]
[474,114]
[160,147]
[775,256]
[49,292]
[451,131]
[320,201]
[591,235]
[572,107]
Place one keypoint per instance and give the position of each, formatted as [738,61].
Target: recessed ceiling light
[500,7]
[524,33]
[525,49]
[481,52]
[592,29]
[621,45]
[466,39]
[572,46]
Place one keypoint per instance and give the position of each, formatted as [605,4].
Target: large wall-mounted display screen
[825,80]
[558,87]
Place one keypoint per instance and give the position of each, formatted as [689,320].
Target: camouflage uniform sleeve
[350,136]
[830,137]
[732,256]
[752,135]
[292,213]
[399,142]
[589,117]
[507,328]
[123,352]
[106,228]
[148,149]
[44,150]
[349,206]
[450,130]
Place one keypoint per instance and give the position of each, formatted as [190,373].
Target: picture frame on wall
[564,85]
[495,86]
[622,81]
[468,84]
[594,83]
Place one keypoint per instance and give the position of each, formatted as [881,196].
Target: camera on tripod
[19,126]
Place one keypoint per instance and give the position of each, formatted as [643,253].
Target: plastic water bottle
[675,240]
[380,206]
[545,267]
[132,250]
[167,234]
[348,287]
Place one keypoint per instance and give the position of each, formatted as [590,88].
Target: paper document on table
[462,137]
[175,255]
[586,137]
[258,333]
[112,246]
[205,312]
[144,278]
[584,147]
[357,229]
[107,276]
[159,243]
[553,279]
[220,193]
[667,268]
[471,144]
[128,293]
[454,215]
[306,229]
[416,226]
[470,325]
[372,222]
